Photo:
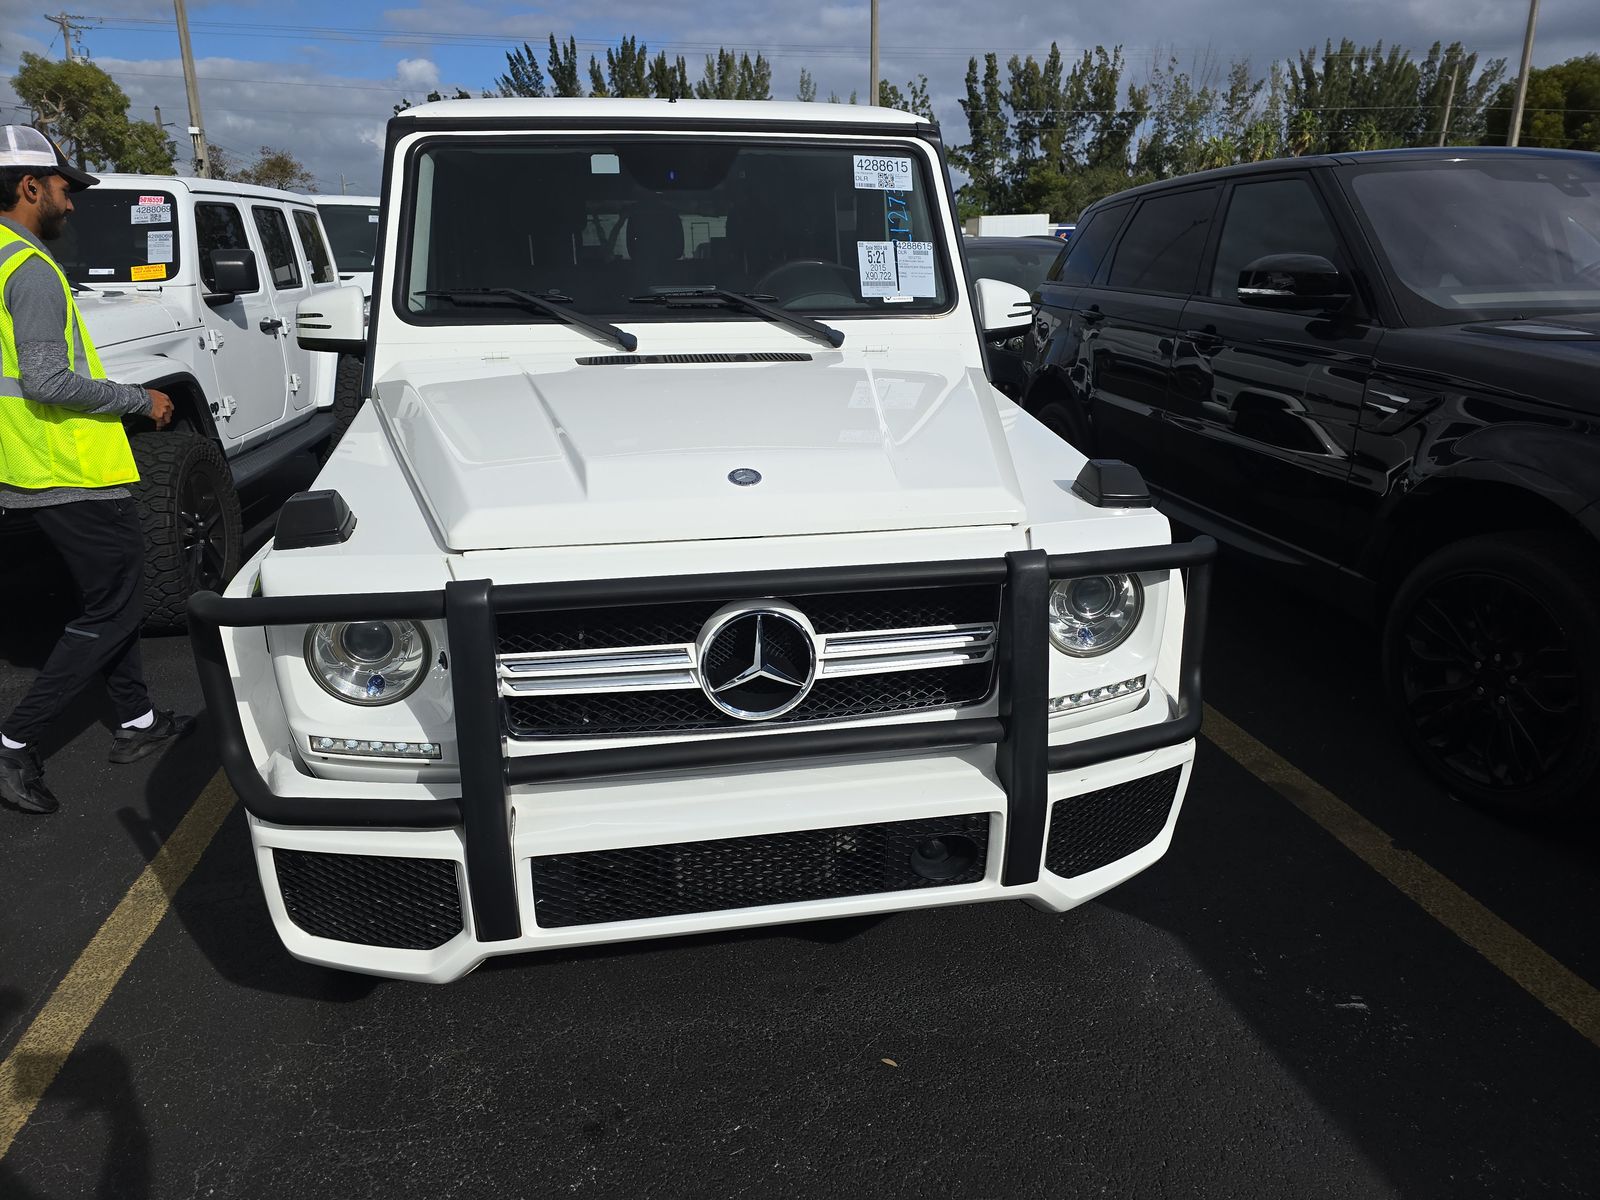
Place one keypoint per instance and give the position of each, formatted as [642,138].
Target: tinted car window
[354,234]
[274,231]
[1088,247]
[317,256]
[1481,238]
[1161,250]
[217,227]
[1019,261]
[1276,216]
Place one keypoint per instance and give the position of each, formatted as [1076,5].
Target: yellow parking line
[35,1060]
[1529,967]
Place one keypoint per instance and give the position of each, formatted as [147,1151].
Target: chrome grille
[635,670]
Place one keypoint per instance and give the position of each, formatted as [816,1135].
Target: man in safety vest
[65,458]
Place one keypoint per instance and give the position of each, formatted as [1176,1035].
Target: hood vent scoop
[625,360]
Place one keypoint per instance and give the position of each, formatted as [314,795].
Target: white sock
[10,745]
[143,722]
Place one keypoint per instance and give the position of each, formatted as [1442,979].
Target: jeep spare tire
[193,535]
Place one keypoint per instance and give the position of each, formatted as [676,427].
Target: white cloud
[417,74]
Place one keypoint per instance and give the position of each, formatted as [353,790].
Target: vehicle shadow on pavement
[220,904]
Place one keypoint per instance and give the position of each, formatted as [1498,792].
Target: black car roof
[1352,158]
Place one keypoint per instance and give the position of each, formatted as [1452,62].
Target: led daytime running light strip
[366,748]
[1099,695]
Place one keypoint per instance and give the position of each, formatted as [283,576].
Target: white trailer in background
[1008,225]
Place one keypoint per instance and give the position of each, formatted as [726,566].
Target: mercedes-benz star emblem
[744,476]
[757,664]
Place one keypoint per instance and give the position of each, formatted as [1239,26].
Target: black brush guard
[1019,732]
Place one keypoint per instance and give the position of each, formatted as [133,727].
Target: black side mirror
[234,271]
[1294,282]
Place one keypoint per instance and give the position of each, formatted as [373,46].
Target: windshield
[1480,239]
[117,235]
[822,228]
[353,230]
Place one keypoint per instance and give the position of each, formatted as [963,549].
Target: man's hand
[160,408]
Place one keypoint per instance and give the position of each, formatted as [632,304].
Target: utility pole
[68,29]
[344,189]
[1514,134]
[1449,99]
[197,125]
[872,92]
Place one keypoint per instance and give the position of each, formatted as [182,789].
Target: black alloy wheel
[1491,661]
[192,529]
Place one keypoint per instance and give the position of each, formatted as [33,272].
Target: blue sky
[320,79]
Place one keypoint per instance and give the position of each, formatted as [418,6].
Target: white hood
[643,452]
[116,317]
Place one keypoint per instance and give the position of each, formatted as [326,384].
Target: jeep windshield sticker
[158,246]
[878,174]
[152,214]
[878,276]
[897,271]
[897,216]
[143,274]
[102,270]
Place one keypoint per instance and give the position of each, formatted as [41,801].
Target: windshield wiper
[549,304]
[688,297]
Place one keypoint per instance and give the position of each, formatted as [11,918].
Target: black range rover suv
[1384,370]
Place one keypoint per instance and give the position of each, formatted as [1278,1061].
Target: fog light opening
[944,857]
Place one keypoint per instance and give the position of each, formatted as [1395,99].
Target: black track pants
[103,545]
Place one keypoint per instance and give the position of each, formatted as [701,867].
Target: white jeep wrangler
[190,286]
[684,571]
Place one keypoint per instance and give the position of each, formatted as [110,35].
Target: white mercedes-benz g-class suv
[190,286]
[683,570]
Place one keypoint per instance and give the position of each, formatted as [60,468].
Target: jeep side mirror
[332,320]
[233,272]
[1295,283]
[1004,309]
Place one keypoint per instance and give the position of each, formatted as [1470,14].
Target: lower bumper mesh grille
[399,903]
[694,877]
[1097,828]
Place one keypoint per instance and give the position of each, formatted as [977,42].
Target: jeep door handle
[271,324]
[1092,316]
[1206,341]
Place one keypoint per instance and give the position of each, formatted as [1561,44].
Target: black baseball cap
[24,146]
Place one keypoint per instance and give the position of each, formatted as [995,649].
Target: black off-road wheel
[193,539]
[1492,664]
[347,401]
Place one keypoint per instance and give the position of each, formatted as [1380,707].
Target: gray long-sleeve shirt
[38,309]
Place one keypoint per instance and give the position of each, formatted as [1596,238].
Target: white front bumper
[602,814]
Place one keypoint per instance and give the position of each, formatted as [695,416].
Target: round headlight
[368,662]
[1095,613]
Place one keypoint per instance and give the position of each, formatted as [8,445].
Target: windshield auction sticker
[144,274]
[152,214]
[158,246]
[877,264]
[914,265]
[883,174]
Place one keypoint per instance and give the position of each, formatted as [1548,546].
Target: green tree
[277,169]
[77,104]
[628,69]
[1562,107]
[523,76]
[146,150]
[669,81]
[986,156]
[564,68]
[808,87]
[735,77]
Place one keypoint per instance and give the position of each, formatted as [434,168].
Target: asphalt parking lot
[1264,1013]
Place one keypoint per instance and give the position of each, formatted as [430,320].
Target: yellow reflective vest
[46,445]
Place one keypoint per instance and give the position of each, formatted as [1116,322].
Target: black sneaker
[22,782]
[130,745]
